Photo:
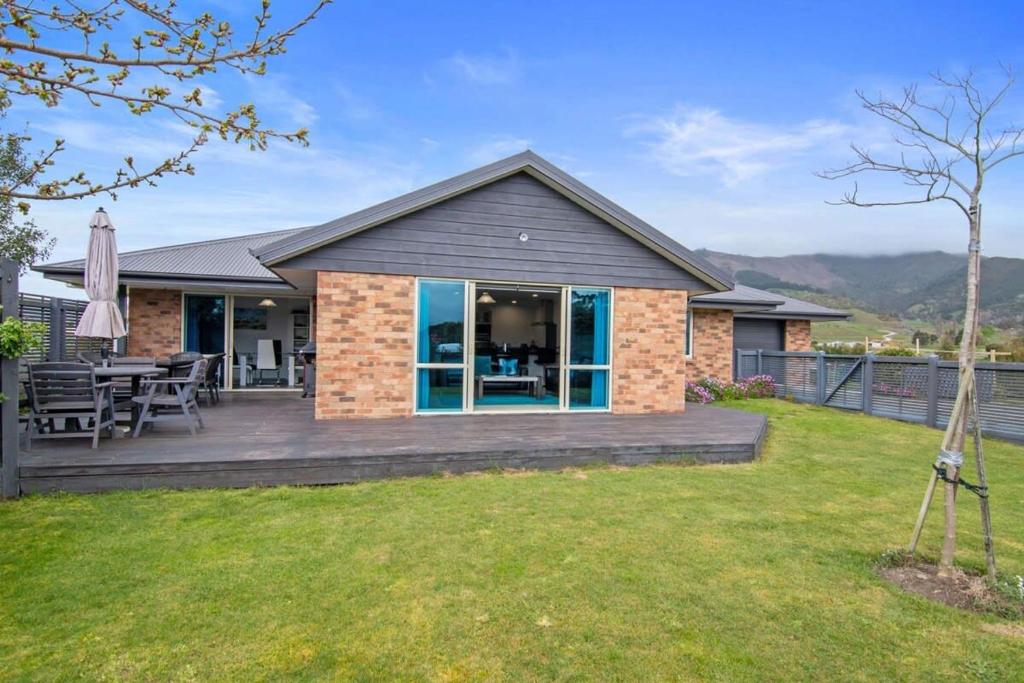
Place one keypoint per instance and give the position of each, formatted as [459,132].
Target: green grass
[745,572]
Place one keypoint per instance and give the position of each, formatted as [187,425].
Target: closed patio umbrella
[102,318]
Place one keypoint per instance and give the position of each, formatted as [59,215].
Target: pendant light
[486,298]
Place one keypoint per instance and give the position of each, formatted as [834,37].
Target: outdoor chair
[210,381]
[94,357]
[68,391]
[181,395]
[123,389]
[190,356]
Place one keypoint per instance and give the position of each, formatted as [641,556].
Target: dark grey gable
[476,235]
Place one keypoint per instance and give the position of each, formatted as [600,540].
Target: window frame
[417,365]
[568,366]
[688,334]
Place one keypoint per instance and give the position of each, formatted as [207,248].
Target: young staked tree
[946,144]
[147,57]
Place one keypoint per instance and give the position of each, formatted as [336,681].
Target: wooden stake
[929,493]
[986,517]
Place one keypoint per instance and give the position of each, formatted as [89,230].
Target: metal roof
[750,302]
[529,162]
[222,259]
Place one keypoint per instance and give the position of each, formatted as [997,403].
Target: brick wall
[154,322]
[712,345]
[798,335]
[648,362]
[364,338]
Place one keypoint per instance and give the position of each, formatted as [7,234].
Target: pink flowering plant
[710,389]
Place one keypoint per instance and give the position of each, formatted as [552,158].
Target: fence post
[9,408]
[932,416]
[760,363]
[822,380]
[868,381]
[55,352]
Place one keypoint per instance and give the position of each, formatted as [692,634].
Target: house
[513,287]
[721,323]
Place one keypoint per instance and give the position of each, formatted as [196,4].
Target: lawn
[737,572]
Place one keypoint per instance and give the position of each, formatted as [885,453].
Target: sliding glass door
[511,347]
[267,332]
[517,361]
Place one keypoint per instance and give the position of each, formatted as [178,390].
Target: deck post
[11,487]
[822,380]
[932,416]
[868,381]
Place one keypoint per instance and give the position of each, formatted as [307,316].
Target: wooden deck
[271,439]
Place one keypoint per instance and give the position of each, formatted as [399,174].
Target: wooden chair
[210,382]
[68,391]
[123,389]
[190,356]
[181,394]
[133,360]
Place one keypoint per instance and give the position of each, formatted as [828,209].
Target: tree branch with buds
[35,63]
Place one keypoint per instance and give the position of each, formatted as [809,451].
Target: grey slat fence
[61,317]
[913,389]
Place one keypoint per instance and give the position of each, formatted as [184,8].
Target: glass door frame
[468,366]
[562,404]
[229,332]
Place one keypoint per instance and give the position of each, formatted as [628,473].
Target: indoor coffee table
[535,385]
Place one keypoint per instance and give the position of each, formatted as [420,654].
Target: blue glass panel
[588,389]
[439,389]
[589,326]
[204,323]
[441,322]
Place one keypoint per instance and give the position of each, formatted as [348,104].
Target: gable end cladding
[544,198]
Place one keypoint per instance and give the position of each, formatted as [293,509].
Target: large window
[589,348]
[440,345]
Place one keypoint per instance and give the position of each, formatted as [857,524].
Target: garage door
[751,334]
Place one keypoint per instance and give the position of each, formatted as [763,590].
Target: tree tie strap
[980,491]
[951,458]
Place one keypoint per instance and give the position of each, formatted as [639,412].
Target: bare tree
[133,53]
[945,149]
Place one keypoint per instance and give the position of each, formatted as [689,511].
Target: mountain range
[926,286]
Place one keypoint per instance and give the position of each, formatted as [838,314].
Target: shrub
[710,389]
[758,386]
[895,351]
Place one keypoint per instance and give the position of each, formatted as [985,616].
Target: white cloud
[497,148]
[272,93]
[353,106]
[485,69]
[702,141]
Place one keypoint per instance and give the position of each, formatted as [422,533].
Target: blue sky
[705,119]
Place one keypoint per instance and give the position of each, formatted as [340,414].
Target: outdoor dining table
[133,372]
